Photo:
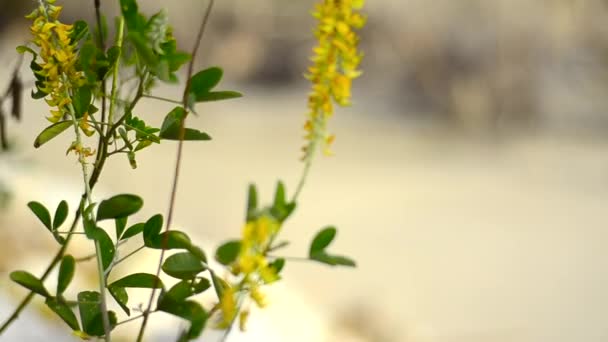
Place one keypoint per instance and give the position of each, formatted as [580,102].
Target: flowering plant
[80,74]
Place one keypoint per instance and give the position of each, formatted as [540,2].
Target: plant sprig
[73,66]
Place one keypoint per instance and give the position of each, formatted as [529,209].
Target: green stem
[121,29]
[85,176]
[306,171]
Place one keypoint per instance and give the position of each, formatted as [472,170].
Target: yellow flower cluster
[335,62]
[58,55]
[252,265]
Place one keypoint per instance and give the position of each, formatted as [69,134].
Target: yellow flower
[227,307]
[58,58]
[335,61]
[251,267]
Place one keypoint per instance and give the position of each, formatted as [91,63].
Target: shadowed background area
[470,180]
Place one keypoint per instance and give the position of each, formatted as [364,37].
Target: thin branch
[128,255]
[178,161]
[164,99]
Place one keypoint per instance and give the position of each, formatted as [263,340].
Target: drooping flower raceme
[58,75]
[335,64]
[251,266]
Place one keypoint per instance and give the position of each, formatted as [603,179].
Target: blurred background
[470,180]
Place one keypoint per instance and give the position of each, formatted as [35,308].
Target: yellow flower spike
[57,61]
[335,62]
[228,307]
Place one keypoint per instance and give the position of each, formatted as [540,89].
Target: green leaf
[183,265]
[190,134]
[61,213]
[113,55]
[120,224]
[170,128]
[119,206]
[152,228]
[129,11]
[252,202]
[121,297]
[66,273]
[203,81]
[279,196]
[281,209]
[79,30]
[322,240]
[133,230]
[218,96]
[333,260]
[81,100]
[30,282]
[198,252]
[144,51]
[87,221]
[63,311]
[106,247]
[173,239]
[139,280]
[90,313]
[317,249]
[227,253]
[219,285]
[41,213]
[184,289]
[190,311]
[51,132]
[277,265]
[23,49]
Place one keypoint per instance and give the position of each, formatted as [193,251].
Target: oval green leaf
[203,81]
[252,202]
[106,247]
[173,239]
[41,213]
[184,289]
[120,224]
[51,132]
[66,273]
[30,282]
[133,230]
[218,96]
[227,253]
[90,313]
[121,297]
[152,228]
[63,311]
[322,240]
[139,280]
[183,266]
[119,206]
[61,213]
[190,311]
